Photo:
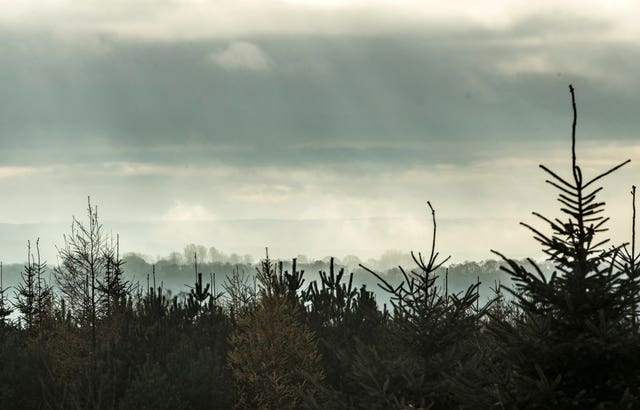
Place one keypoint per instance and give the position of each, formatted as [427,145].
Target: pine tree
[34,297]
[81,273]
[341,317]
[84,261]
[113,286]
[431,333]
[333,300]
[628,260]
[26,291]
[239,293]
[573,346]
[202,298]
[274,357]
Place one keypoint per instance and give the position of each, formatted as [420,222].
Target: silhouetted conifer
[330,302]
[88,278]
[113,286]
[339,315]
[274,357]
[573,347]
[273,280]
[81,269]
[430,331]
[628,260]
[34,297]
[239,292]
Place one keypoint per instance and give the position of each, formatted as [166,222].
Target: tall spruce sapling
[330,303]
[628,260]
[26,291]
[275,281]
[44,288]
[291,282]
[266,276]
[155,304]
[328,308]
[202,297]
[199,293]
[433,330]
[113,285]
[572,346]
[420,305]
[33,294]
[341,316]
[274,356]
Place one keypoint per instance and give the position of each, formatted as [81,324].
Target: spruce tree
[628,260]
[341,316]
[431,333]
[34,297]
[573,346]
[26,291]
[274,356]
[113,285]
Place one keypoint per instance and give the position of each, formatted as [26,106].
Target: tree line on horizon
[88,338]
[173,274]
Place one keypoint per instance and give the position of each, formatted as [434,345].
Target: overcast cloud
[182,111]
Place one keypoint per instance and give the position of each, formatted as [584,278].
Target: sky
[312,127]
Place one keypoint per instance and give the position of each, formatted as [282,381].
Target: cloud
[241,55]
[262,193]
[453,102]
[184,212]
[10,172]
[170,20]
[554,63]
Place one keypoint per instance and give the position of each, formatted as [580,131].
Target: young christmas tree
[34,297]
[574,346]
[431,338]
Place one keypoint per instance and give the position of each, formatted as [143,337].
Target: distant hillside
[176,275]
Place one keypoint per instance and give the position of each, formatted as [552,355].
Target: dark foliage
[429,340]
[34,296]
[575,344]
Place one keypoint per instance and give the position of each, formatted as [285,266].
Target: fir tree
[628,260]
[573,346]
[113,286]
[431,330]
[34,296]
[274,357]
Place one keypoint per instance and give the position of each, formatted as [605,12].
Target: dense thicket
[279,339]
